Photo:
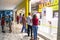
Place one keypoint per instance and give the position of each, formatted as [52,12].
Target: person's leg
[20,21]
[3,29]
[35,32]
[6,23]
[22,28]
[17,21]
[25,29]
[28,30]
[10,30]
[31,31]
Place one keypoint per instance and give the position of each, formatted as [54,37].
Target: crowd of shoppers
[32,22]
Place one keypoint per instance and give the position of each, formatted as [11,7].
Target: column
[26,7]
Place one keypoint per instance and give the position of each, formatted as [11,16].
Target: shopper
[23,23]
[17,19]
[35,26]
[2,24]
[29,20]
[7,20]
[20,18]
[10,23]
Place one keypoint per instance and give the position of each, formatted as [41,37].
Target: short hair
[23,14]
[29,13]
[20,13]
[34,16]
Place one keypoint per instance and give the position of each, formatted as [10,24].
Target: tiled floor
[16,34]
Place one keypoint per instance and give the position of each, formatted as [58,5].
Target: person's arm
[25,19]
[31,19]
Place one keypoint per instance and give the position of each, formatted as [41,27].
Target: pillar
[26,7]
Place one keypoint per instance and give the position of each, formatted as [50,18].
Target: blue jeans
[35,28]
[23,28]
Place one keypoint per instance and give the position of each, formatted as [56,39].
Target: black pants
[29,30]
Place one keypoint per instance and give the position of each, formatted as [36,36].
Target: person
[29,19]
[10,22]
[38,16]
[35,26]
[2,24]
[24,23]
[17,19]
[20,18]
[7,20]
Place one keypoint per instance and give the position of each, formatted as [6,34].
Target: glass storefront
[6,13]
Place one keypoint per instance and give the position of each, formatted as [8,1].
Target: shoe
[3,31]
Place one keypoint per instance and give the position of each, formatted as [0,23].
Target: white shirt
[29,20]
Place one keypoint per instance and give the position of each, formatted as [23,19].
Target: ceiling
[9,4]
[34,1]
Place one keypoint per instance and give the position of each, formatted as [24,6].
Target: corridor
[16,34]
